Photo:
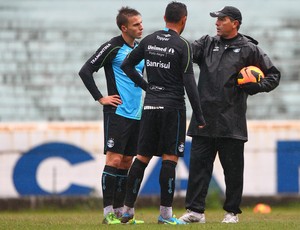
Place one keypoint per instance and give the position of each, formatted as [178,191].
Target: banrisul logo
[159,64]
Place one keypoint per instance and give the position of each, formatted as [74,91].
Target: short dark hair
[124,13]
[239,25]
[175,11]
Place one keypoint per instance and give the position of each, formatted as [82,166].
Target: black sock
[134,180]
[108,184]
[167,182]
[120,188]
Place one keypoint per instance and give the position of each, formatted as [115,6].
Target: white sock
[107,210]
[118,212]
[128,210]
[166,212]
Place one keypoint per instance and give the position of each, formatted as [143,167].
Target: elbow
[81,74]
[84,71]
[124,67]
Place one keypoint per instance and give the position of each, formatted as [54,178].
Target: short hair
[175,11]
[124,14]
[239,25]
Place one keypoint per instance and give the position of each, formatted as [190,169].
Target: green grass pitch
[279,218]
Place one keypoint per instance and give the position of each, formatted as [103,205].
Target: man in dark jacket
[224,105]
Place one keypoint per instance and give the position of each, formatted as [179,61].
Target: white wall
[57,171]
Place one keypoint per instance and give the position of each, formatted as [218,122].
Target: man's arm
[86,75]
[128,66]
[271,79]
[272,74]
[193,95]
[92,65]
[198,49]
[190,83]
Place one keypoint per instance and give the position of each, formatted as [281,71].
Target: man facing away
[224,105]
[121,107]
[169,70]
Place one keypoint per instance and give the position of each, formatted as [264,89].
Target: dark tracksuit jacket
[224,104]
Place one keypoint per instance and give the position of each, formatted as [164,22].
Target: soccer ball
[262,208]
[249,74]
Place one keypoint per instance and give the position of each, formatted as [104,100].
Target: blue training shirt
[110,55]
[131,95]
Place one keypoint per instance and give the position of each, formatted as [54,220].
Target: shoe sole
[191,221]
[170,223]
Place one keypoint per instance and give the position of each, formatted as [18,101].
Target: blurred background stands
[43,44]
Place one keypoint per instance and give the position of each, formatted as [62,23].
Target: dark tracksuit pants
[203,153]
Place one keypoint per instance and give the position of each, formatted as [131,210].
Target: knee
[144,159]
[173,158]
[113,159]
[126,162]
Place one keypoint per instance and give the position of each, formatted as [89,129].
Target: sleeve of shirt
[93,64]
[190,83]
[272,74]
[129,63]
[198,49]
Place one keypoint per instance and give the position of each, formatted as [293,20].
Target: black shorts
[162,131]
[120,134]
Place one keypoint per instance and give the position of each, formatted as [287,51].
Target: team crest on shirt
[216,49]
[171,51]
[181,148]
[110,143]
[237,50]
